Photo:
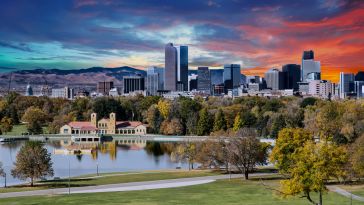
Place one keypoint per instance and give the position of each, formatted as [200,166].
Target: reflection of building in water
[133,144]
[104,126]
[109,147]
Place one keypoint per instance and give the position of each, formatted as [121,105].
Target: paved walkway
[345,193]
[132,186]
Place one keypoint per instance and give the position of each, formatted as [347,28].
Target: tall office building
[204,80]
[217,76]
[231,76]
[192,82]
[346,84]
[154,80]
[309,66]
[133,83]
[293,76]
[275,79]
[359,76]
[29,91]
[321,88]
[308,55]
[104,87]
[359,88]
[176,67]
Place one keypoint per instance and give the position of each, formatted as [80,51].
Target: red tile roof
[82,125]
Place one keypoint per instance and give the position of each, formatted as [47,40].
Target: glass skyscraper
[176,68]
[309,66]
[231,76]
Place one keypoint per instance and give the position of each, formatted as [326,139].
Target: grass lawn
[19,129]
[224,192]
[111,179]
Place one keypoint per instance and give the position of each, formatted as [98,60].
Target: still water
[106,157]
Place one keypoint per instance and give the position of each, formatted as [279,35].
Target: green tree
[104,106]
[219,122]
[204,124]
[35,118]
[32,161]
[307,165]
[357,157]
[278,124]
[6,125]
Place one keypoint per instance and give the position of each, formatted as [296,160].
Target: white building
[321,88]
[114,92]
[65,92]
[154,80]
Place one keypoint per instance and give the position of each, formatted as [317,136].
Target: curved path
[132,186]
[345,193]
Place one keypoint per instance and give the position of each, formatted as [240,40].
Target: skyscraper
[176,68]
[293,75]
[231,76]
[104,87]
[133,83]
[204,80]
[275,79]
[309,65]
[359,89]
[346,84]
[155,80]
[359,76]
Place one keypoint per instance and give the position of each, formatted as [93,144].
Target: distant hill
[69,77]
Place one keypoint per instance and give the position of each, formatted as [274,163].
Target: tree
[35,118]
[185,152]
[307,165]
[32,161]
[204,124]
[238,123]
[164,107]
[154,118]
[219,122]
[104,106]
[213,153]
[314,165]
[278,124]
[6,125]
[246,151]
[171,127]
[2,172]
[191,123]
[357,157]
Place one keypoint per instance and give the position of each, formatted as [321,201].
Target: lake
[112,156]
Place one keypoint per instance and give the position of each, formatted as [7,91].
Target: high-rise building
[308,55]
[176,67]
[133,83]
[192,82]
[346,84]
[309,65]
[104,87]
[29,91]
[203,80]
[359,88]
[242,79]
[217,76]
[293,75]
[359,76]
[154,80]
[65,92]
[231,76]
[275,79]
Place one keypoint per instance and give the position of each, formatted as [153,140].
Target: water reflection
[108,156]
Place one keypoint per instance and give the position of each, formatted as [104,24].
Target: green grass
[234,192]
[110,179]
[19,129]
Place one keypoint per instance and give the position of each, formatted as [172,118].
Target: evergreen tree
[219,122]
[204,124]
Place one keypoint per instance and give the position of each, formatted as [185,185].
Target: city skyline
[257,35]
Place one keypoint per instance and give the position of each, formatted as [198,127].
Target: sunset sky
[72,34]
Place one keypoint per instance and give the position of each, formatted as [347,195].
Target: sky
[259,35]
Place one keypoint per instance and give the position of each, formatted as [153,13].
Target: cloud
[16,46]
